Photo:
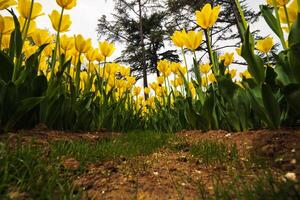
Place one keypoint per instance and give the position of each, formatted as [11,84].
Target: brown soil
[169,174]
[174,175]
[42,135]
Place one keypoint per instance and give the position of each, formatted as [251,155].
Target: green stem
[185,62]
[53,61]
[287,17]
[77,78]
[28,21]
[281,37]
[239,7]
[24,36]
[210,49]
[1,41]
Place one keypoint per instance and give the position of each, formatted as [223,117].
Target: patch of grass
[26,175]
[263,187]
[129,145]
[35,171]
[177,144]
[213,152]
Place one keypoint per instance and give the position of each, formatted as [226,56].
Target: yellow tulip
[111,68]
[227,58]
[136,91]
[154,86]
[175,67]
[66,4]
[212,78]
[106,48]
[7,3]
[29,50]
[100,57]
[125,71]
[32,26]
[245,75]
[41,37]
[82,45]
[292,11]
[65,23]
[5,42]
[207,17]
[174,83]
[265,45]
[147,90]
[92,68]
[6,25]
[278,2]
[178,38]
[205,68]
[193,40]
[66,43]
[164,67]
[24,7]
[48,50]
[232,72]
[91,55]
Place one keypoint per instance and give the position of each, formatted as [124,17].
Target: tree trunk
[143,47]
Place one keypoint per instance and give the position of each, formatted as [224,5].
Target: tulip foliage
[66,83]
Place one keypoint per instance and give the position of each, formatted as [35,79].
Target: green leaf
[24,107]
[16,41]
[267,13]
[294,61]
[255,63]
[271,105]
[292,94]
[294,37]
[6,67]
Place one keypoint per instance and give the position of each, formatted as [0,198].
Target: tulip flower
[288,14]
[82,45]
[5,42]
[7,3]
[178,38]
[66,43]
[278,2]
[207,17]
[91,55]
[205,68]
[164,67]
[147,90]
[41,37]
[265,45]
[66,4]
[193,39]
[136,91]
[245,75]
[227,58]
[6,25]
[106,48]
[24,9]
[61,24]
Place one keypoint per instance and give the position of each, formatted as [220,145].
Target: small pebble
[291,176]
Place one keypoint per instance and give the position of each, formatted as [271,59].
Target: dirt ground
[169,174]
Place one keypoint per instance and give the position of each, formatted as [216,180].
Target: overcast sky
[86,13]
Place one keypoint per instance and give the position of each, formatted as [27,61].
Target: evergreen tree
[139,25]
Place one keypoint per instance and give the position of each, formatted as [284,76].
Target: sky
[85,15]
[87,12]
